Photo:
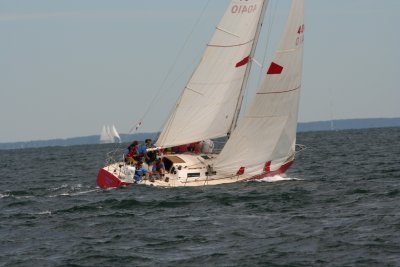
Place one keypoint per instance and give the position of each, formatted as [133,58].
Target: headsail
[207,105]
[267,132]
[115,134]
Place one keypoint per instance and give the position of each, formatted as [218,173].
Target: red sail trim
[275,69]
[279,171]
[267,167]
[243,62]
[240,171]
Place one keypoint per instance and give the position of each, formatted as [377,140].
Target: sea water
[339,205]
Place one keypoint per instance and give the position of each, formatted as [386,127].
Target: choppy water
[343,210]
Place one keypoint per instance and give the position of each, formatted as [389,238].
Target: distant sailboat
[262,143]
[109,135]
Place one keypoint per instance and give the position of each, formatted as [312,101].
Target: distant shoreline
[337,125]
[348,124]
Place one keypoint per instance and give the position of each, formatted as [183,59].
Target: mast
[248,69]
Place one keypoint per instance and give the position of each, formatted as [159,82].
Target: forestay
[207,105]
[267,132]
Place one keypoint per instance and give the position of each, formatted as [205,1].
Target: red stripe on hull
[106,179]
[281,170]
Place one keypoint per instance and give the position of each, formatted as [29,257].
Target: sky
[68,67]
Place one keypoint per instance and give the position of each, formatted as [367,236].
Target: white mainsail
[206,108]
[104,136]
[267,132]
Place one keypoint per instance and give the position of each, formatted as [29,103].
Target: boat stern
[106,179]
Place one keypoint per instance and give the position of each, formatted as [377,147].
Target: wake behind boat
[262,143]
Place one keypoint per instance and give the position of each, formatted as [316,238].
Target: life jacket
[132,152]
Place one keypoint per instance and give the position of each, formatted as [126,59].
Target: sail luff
[248,68]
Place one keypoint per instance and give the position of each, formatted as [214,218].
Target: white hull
[183,170]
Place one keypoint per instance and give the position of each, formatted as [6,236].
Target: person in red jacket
[131,152]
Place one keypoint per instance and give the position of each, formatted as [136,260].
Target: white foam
[46,212]
[84,192]
[68,194]
[59,187]
[4,195]
[278,178]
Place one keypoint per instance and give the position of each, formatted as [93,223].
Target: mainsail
[206,108]
[104,135]
[266,135]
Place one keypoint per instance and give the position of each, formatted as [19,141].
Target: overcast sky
[67,67]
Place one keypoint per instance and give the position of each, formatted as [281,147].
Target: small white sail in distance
[109,135]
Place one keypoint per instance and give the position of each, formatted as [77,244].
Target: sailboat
[109,135]
[262,142]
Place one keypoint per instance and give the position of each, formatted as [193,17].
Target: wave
[71,190]
[17,195]
[5,195]
[278,178]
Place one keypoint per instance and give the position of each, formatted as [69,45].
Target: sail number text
[300,38]
[241,9]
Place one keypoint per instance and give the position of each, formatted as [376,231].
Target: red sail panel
[275,69]
[240,171]
[243,62]
[267,167]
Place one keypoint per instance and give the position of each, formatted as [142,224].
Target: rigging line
[175,61]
